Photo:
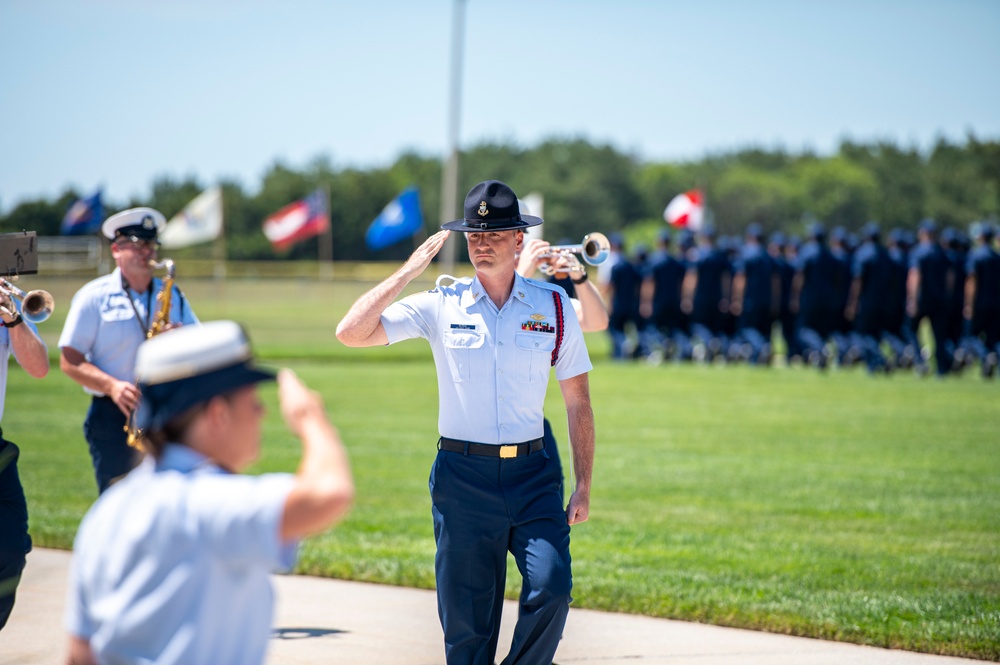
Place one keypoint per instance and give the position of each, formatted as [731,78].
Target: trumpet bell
[595,248]
[37,306]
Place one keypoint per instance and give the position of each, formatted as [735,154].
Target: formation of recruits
[836,298]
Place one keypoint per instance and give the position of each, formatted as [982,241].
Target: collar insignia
[482,209]
[520,294]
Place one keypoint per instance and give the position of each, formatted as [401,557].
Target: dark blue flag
[84,216]
[398,221]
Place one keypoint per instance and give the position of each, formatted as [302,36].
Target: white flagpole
[219,246]
[449,176]
[326,240]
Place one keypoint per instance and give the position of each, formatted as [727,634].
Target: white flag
[200,221]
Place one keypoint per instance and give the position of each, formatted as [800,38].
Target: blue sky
[115,93]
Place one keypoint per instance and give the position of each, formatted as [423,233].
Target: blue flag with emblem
[83,216]
[399,220]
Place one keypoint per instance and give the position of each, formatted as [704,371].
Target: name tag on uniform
[463,326]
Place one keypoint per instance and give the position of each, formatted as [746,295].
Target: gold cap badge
[482,209]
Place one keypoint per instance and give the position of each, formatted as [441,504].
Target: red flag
[686,210]
[298,221]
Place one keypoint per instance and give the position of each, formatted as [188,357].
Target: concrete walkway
[330,621]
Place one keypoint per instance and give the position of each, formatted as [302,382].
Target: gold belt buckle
[507,452]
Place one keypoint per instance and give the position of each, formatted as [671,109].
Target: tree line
[589,187]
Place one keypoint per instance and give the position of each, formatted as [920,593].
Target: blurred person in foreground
[20,338]
[108,318]
[172,564]
[495,484]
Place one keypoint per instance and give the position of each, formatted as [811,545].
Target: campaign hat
[491,206]
[187,366]
[137,223]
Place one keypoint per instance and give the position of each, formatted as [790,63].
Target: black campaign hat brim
[478,225]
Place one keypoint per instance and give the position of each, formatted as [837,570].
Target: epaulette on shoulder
[548,286]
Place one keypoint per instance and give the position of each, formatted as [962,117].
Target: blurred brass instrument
[162,318]
[160,322]
[595,250]
[36,306]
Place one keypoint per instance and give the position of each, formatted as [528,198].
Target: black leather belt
[504,451]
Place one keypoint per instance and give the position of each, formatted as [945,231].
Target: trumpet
[36,306]
[595,250]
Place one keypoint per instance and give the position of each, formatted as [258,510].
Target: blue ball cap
[755,231]
[187,366]
[928,226]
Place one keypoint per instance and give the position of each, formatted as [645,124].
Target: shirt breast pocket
[465,351]
[534,355]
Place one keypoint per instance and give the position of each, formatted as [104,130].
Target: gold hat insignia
[482,209]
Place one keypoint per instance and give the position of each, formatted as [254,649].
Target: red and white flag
[686,210]
[297,221]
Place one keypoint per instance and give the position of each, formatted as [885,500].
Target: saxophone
[162,318]
[160,322]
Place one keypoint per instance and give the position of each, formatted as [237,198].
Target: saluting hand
[298,402]
[422,256]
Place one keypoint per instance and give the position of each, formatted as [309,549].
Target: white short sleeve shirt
[107,323]
[492,364]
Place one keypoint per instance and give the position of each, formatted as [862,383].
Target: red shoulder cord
[559,326]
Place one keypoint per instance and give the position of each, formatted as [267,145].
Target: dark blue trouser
[110,453]
[868,345]
[15,543]
[484,507]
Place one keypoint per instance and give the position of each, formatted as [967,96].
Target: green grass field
[837,505]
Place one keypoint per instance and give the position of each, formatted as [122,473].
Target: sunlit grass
[835,505]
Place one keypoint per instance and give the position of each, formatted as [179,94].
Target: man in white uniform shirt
[108,318]
[494,485]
